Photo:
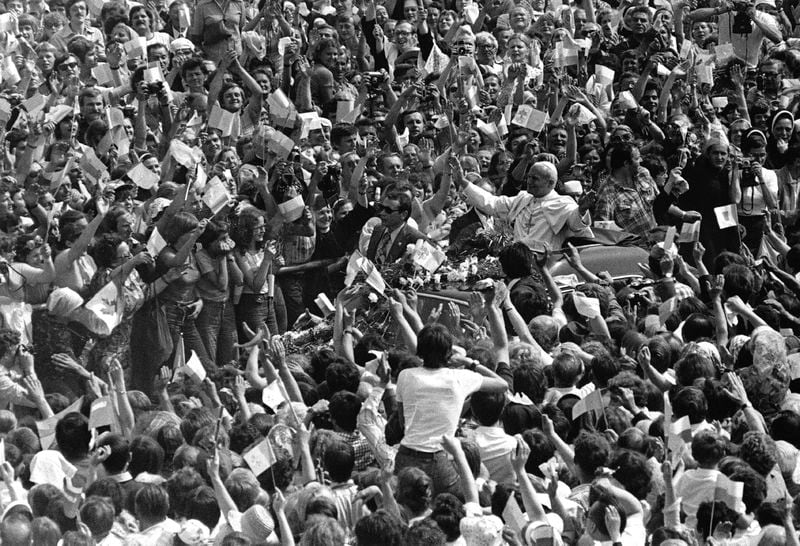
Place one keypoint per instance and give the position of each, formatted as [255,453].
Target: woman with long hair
[257,304]
[175,292]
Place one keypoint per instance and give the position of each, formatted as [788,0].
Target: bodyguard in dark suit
[389,240]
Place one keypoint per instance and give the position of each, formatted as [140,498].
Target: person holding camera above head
[754,188]
[744,25]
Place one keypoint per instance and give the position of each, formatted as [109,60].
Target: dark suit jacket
[407,236]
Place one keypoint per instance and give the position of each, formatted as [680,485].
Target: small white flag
[260,457]
[292,209]
[156,243]
[272,397]
[586,306]
[726,216]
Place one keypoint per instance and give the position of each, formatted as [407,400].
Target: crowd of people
[186,187]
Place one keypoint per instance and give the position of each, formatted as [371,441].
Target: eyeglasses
[402,33]
[387,210]
[486,46]
[66,66]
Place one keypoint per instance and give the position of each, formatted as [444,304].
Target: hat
[482,531]
[180,43]
[766,2]
[63,301]
[194,532]
[539,532]
[256,523]
[573,187]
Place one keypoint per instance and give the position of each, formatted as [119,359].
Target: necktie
[383,247]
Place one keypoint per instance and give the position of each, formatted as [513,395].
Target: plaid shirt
[363,453]
[627,207]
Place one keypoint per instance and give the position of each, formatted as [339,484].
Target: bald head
[15,531]
[542,178]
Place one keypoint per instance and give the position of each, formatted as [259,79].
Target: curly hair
[246,228]
[759,451]
[8,338]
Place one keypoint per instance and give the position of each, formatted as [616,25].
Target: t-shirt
[205,288]
[432,401]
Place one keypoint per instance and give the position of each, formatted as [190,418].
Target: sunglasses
[388,210]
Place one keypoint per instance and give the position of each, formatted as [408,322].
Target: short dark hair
[592,451]
[403,201]
[120,452]
[516,260]
[380,528]
[202,505]
[434,344]
[339,460]
[340,131]
[342,375]
[707,448]
[98,513]
[344,408]
[73,436]
[487,407]
[152,502]
[691,402]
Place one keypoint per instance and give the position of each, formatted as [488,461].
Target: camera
[376,77]
[741,21]
[153,88]
[748,179]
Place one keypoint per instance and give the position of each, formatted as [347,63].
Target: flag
[227,123]
[592,402]
[34,105]
[92,167]
[427,256]
[603,74]
[156,243]
[729,492]
[680,432]
[195,368]
[292,209]
[669,239]
[690,233]
[586,306]
[726,216]
[530,118]
[271,396]
[103,74]
[101,413]
[216,195]
[108,307]
[374,278]
[47,427]
[280,145]
[143,177]
[513,515]
[352,268]
[436,62]
[261,457]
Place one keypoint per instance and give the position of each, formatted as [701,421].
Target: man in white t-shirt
[430,400]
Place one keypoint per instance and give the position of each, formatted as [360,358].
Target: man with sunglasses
[389,240]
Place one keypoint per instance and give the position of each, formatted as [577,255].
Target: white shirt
[432,401]
[550,219]
[746,46]
[495,447]
[753,202]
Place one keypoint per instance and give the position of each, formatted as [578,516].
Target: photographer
[754,189]
[744,25]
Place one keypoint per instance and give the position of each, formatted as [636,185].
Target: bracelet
[348,331]
[113,67]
